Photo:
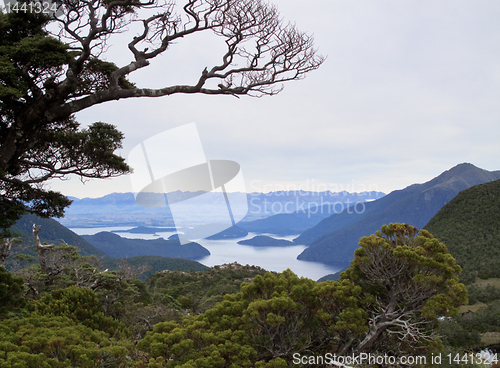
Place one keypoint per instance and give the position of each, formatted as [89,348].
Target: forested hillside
[67,311]
[143,259]
[53,232]
[146,266]
[470,227]
[118,247]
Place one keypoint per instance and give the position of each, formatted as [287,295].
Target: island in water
[266,241]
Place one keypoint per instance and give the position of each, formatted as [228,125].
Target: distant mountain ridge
[117,247]
[305,217]
[52,232]
[335,238]
[121,209]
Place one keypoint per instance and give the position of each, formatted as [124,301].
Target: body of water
[228,251]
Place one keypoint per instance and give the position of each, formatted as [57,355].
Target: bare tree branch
[64,71]
[262,52]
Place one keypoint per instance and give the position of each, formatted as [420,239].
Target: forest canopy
[400,282]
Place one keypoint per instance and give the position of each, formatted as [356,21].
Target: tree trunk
[41,249]
[5,250]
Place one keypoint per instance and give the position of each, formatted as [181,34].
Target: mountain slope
[469,225]
[116,246]
[232,232]
[153,264]
[308,216]
[335,222]
[53,232]
[415,205]
[281,224]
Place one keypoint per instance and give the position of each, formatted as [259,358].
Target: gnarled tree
[52,68]
[411,280]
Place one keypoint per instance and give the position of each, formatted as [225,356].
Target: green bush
[57,341]
[11,299]
[82,306]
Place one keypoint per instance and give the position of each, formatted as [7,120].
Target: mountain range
[117,247]
[305,217]
[121,209]
[159,258]
[334,239]
[52,232]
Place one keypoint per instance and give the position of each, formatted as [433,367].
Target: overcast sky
[409,89]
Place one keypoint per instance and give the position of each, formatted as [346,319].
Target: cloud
[409,90]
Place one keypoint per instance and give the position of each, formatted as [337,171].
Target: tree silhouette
[53,67]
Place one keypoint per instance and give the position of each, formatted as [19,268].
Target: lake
[228,251]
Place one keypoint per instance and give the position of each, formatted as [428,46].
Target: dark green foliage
[59,267]
[411,274]
[470,227]
[456,335]
[117,293]
[342,310]
[282,316]
[10,211]
[33,148]
[96,76]
[50,341]
[11,299]
[82,306]
[240,316]
[398,275]
[484,320]
[483,294]
[401,251]
[203,289]
[263,325]
[149,265]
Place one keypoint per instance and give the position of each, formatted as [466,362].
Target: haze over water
[228,251]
